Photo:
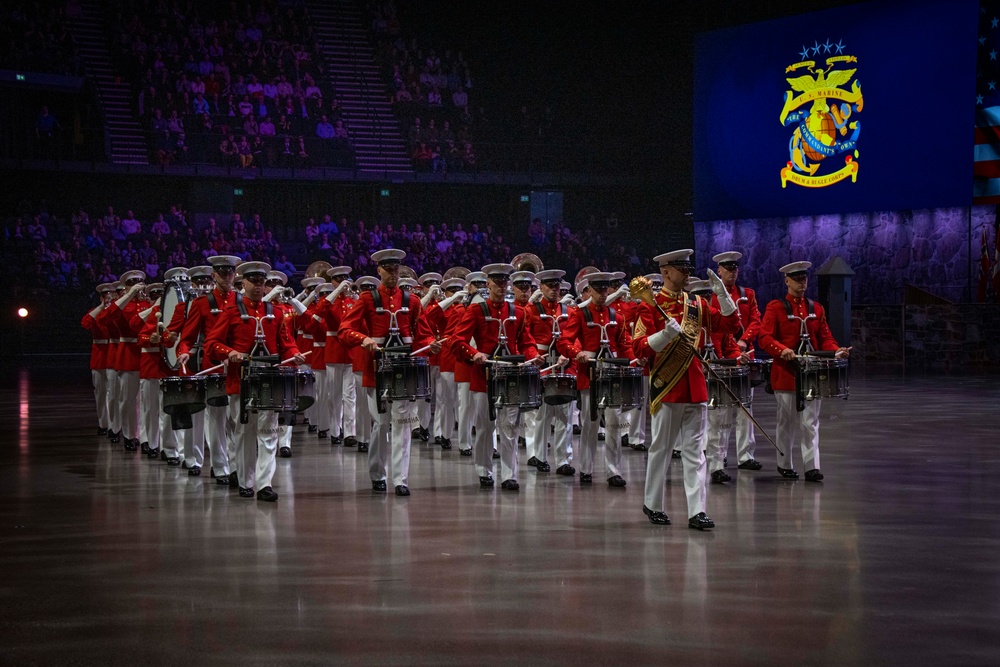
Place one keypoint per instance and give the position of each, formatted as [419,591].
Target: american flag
[987,153]
[984,268]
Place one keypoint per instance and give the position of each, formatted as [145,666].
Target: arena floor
[110,558]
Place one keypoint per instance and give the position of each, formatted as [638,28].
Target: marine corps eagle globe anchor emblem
[822,107]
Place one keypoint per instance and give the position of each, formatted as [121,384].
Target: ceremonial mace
[640,288]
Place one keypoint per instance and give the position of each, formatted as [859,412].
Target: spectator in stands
[328,226]
[312,232]
[46,130]
[229,151]
[131,226]
[266,127]
[200,105]
[468,157]
[284,266]
[324,130]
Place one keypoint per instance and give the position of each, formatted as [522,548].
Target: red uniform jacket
[578,336]
[777,333]
[487,334]
[231,332]
[746,306]
[128,349]
[99,347]
[432,325]
[199,320]
[315,331]
[364,321]
[539,318]
[110,325]
[330,316]
[692,388]
[303,337]
[152,365]
[463,369]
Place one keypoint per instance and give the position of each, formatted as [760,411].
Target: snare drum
[215,390]
[760,371]
[823,377]
[616,386]
[404,378]
[516,387]
[559,388]
[306,382]
[737,378]
[271,388]
[183,395]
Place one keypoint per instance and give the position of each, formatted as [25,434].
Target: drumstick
[499,363]
[427,347]
[292,358]
[209,370]
[548,368]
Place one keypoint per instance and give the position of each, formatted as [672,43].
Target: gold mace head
[640,288]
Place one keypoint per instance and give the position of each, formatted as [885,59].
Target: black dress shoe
[676,454]
[102,431]
[402,490]
[640,447]
[194,471]
[362,447]
[130,446]
[246,493]
[379,485]
[311,428]
[322,434]
[445,443]
[267,494]
[486,482]
[533,462]
[787,473]
[750,464]
[496,454]
[617,482]
[114,437]
[222,480]
[438,439]
[465,452]
[700,522]
[521,442]
[336,440]
[420,433]
[814,475]
[350,441]
[234,480]
[600,436]
[586,479]
[543,466]
[625,440]
[153,453]
[510,485]
[720,477]
[285,452]
[173,462]
[144,446]
[566,469]
[659,518]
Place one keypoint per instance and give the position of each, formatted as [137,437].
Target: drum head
[173,297]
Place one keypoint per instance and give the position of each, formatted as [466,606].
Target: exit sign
[384,192]
[19,77]
[525,199]
[237,192]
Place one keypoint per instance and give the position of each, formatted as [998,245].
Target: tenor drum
[617,386]
[737,378]
[272,388]
[183,395]
[516,386]
[404,378]
[760,371]
[306,382]
[823,377]
[559,388]
[173,298]
[215,390]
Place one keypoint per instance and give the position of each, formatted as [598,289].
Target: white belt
[319,344]
[151,350]
[542,348]
[306,336]
[331,333]
[100,341]
[128,340]
[114,341]
[380,340]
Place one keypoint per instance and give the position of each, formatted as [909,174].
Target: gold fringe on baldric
[671,363]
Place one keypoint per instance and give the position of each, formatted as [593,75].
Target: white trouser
[444,407]
[168,438]
[466,416]
[99,378]
[149,399]
[217,438]
[362,417]
[255,444]
[797,428]
[114,405]
[588,438]
[505,428]
[194,440]
[536,432]
[349,400]
[746,440]
[323,410]
[128,396]
[424,407]
[678,426]
[574,414]
[341,399]
[285,437]
[395,426]
[721,422]
[637,417]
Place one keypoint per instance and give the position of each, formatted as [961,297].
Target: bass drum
[173,298]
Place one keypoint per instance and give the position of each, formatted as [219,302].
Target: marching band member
[316,326]
[430,284]
[193,328]
[238,333]
[436,323]
[670,333]
[545,317]
[389,312]
[121,312]
[340,377]
[745,337]
[635,418]
[304,337]
[361,360]
[475,283]
[274,286]
[497,326]
[781,335]
[523,284]
[594,331]
[152,367]
[110,324]
[99,356]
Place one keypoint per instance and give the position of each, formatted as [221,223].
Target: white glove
[617,294]
[568,300]
[125,298]
[332,296]
[726,304]
[536,296]
[447,301]
[96,311]
[661,339]
[432,294]
[300,295]
[144,314]
[584,303]
[274,293]
[309,299]
[297,305]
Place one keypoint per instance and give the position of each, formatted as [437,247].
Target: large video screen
[861,108]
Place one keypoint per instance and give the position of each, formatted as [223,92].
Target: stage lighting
[22,312]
